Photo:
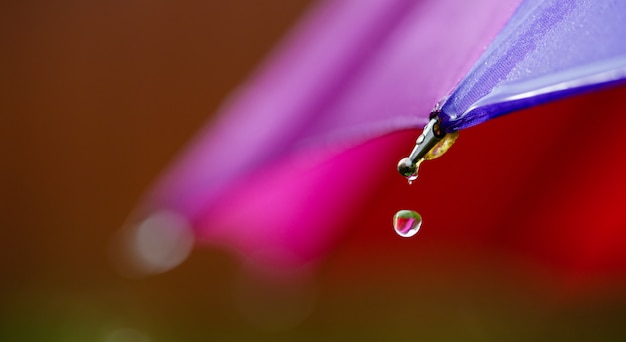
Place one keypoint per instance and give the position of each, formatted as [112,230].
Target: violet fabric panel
[548,49]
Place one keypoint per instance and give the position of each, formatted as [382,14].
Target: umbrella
[547,50]
[295,153]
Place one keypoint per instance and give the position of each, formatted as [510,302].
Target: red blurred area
[540,192]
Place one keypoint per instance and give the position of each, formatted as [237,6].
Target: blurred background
[98,96]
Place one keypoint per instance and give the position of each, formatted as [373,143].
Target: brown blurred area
[96,97]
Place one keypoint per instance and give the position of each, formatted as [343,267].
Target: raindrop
[412,177]
[409,169]
[407,223]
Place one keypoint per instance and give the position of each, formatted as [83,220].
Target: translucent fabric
[298,137]
[548,50]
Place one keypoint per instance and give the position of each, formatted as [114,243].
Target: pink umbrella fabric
[278,174]
[299,157]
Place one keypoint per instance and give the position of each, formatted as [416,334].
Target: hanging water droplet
[416,168]
[407,223]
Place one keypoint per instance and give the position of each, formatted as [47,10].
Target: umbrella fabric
[273,177]
[547,50]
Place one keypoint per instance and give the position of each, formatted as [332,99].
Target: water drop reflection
[407,223]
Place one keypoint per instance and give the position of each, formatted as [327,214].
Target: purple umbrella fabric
[547,50]
[284,164]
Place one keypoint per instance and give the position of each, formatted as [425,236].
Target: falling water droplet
[407,223]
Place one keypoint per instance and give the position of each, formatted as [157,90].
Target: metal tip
[431,144]
[407,167]
[427,140]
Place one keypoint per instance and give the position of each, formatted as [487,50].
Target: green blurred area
[197,302]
